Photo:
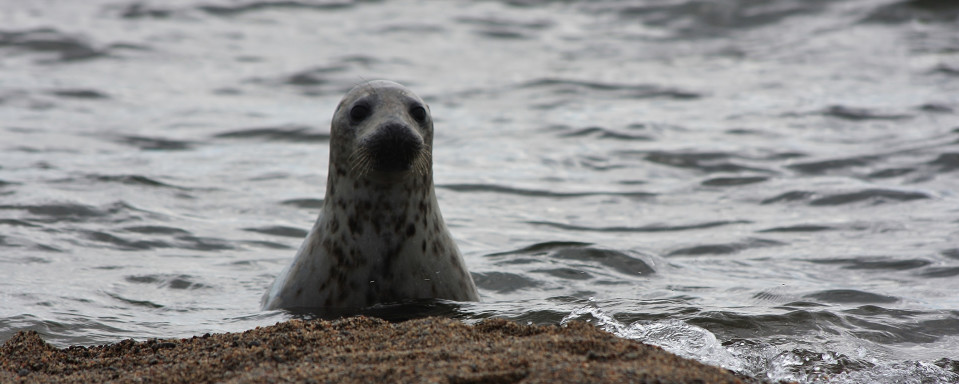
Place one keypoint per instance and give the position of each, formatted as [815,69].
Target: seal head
[380,236]
[389,130]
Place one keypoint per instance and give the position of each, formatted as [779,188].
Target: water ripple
[137,303]
[638,91]
[170,238]
[937,272]
[542,248]
[85,94]
[697,19]
[648,228]
[506,28]
[290,133]
[17,223]
[723,249]
[154,143]
[255,6]
[799,228]
[862,114]
[883,263]
[170,281]
[576,263]
[537,192]
[733,181]
[280,231]
[937,11]
[138,180]
[873,195]
[120,243]
[880,325]
[817,167]
[74,212]
[946,162]
[876,196]
[335,78]
[503,282]
[156,230]
[47,40]
[844,296]
[314,76]
[604,133]
[704,161]
[308,203]
[612,259]
[141,11]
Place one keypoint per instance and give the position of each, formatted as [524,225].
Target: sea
[769,186]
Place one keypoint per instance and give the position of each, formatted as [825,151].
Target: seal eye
[359,112]
[418,113]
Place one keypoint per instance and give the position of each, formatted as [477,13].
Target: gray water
[769,186]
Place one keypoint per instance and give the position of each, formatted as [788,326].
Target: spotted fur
[380,236]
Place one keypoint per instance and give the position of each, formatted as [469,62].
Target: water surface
[763,185]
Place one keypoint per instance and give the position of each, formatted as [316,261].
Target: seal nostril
[394,147]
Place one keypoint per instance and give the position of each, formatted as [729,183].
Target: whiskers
[422,161]
[362,161]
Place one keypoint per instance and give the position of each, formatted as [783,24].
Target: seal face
[380,236]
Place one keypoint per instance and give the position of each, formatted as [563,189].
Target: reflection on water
[766,186]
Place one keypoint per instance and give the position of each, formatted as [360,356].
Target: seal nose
[394,146]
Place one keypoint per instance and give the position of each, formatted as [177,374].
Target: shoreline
[360,350]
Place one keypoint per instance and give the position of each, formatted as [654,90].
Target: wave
[873,195]
[280,230]
[63,46]
[537,192]
[168,281]
[290,133]
[723,249]
[147,143]
[941,11]
[633,91]
[255,6]
[65,211]
[647,228]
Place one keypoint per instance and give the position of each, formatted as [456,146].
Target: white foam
[764,361]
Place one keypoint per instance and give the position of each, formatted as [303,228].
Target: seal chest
[380,236]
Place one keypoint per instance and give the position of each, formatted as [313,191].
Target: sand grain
[362,350]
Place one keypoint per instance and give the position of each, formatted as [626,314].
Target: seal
[380,236]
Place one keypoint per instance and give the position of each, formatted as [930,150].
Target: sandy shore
[362,350]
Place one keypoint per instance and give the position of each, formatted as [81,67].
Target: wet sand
[363,350]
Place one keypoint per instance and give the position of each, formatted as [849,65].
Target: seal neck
[385,188]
